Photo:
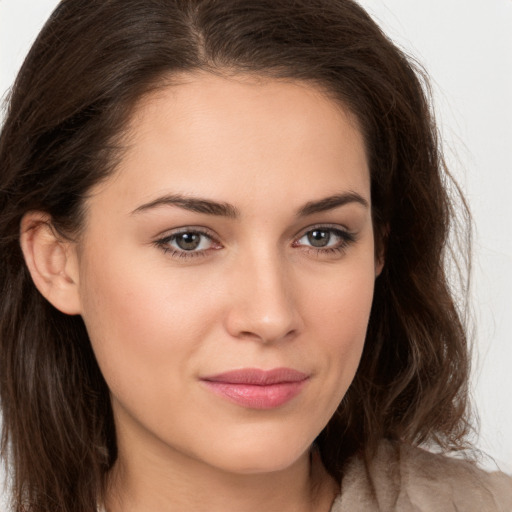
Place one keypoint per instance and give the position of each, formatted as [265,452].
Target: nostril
[267,335]
[262,305]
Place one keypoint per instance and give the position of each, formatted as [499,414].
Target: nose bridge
[263,305]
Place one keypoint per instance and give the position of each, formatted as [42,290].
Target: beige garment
[403,478]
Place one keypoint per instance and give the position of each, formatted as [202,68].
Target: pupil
[188,241]
[318,238]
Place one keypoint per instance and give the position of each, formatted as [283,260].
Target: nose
[263,303]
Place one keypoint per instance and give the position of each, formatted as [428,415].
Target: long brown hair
[92,62]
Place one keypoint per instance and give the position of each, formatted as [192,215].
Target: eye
[325,239]
[187,243]
[319,237]
[190,241]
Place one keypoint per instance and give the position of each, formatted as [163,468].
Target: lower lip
[257,397]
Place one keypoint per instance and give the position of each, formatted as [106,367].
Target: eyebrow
[193,204]
[332,202]
[209,207]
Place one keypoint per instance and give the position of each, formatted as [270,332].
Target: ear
[380,251]
[379,265]
[51,261]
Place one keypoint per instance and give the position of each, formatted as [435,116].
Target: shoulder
[404,478]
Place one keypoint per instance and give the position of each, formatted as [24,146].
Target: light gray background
[466,45]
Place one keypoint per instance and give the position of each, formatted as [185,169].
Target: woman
[223,227]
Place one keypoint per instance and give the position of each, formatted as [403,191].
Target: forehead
[223,135]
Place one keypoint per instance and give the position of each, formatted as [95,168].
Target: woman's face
[226,271]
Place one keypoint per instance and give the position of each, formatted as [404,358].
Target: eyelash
[163,244]
[346,239]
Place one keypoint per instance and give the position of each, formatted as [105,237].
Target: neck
[165,484]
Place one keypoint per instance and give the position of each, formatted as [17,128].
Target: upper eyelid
[328,226]
[167,234]
[163,242]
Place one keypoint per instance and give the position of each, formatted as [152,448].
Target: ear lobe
[379,265]
[51,261]
[381,250]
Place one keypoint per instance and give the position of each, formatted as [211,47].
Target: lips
[258,389]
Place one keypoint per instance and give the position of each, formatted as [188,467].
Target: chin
[260,456]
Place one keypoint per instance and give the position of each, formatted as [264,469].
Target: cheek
[152,328]
[141,324]
[339,305]
[338,314]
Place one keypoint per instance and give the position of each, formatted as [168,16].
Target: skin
[255,293]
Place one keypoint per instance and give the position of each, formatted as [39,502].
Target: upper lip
[257,377]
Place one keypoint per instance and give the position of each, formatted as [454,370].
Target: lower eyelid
[345,236]
[164,243]
[345,239]
[175,253]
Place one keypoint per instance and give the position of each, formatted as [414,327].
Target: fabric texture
[404,478]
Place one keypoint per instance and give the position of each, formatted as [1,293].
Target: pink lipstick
[258,389]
